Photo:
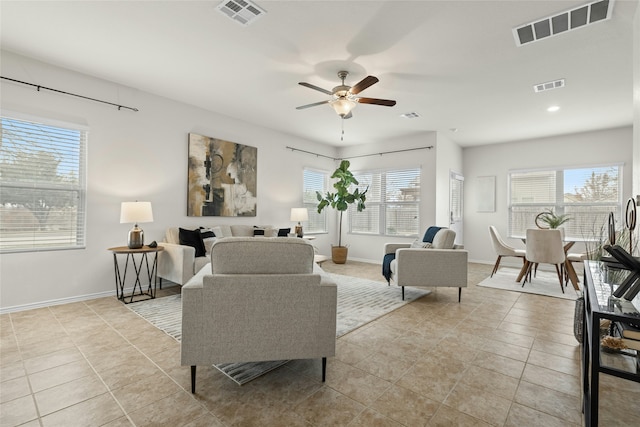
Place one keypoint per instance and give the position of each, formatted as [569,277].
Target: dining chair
[502,249]
[545,247]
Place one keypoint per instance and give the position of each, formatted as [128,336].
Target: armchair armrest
[390,248]
[176,263]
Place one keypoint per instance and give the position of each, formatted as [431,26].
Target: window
[586,194]
[392,205]
[314,181]
[42,184]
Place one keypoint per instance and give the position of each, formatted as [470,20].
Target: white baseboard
[49,303]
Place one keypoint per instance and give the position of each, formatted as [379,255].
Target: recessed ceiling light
[553,109]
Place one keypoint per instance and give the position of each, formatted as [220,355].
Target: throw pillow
[192,238]
[206,233]
[258,231]
[222,231]
[284,232]
[418,244]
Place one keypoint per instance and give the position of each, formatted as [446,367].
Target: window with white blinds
[42,186]
[392,205]
[314,181]
[586,194]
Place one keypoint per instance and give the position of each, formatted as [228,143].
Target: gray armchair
[266,300]
[440,263]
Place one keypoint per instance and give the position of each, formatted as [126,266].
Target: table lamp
[135,212]
[299,214]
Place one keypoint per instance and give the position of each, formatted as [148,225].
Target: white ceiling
[453,62]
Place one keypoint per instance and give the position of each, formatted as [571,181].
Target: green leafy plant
[342,197]
[550,218]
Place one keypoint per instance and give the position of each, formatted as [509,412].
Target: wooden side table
[151,271]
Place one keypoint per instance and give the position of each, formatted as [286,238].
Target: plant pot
[339,254]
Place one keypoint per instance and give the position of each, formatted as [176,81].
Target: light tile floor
[498,358]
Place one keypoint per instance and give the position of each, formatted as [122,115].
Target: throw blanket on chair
[386,266]
[386,261]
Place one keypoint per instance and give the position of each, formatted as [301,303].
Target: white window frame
[383,206]
[66,230]
[310,201]
[575,229]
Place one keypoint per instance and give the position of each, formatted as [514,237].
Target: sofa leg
[459,294]
[403,293]
[324,369]
[160,282]
[193,379]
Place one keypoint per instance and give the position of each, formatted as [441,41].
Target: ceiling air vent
[565,21]
[412,115]
[541,87]
[241,11]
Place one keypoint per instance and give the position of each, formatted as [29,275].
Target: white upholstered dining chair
[545,246]
[502,249]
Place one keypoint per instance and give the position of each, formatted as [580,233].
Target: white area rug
[359,302]
[544,283]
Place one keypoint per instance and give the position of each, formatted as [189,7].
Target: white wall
[581,149]
[435,164]
[135,155]
[448,159]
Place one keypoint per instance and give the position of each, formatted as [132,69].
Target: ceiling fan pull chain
[342,134]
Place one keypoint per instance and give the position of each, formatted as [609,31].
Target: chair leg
[560,272]
[324,369]
[497,264]
[459,294]
[193,379]
[527,274]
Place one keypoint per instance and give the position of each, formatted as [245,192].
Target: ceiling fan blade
[376,101]
[302,107]
[314,87]
[363,84]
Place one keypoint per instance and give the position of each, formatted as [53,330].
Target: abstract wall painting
[222,177]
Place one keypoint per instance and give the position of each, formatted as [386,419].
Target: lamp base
[299,231]
[136,238]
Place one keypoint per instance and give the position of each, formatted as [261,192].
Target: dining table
[568,266]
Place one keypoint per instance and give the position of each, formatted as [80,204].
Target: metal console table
[151,272]
[600,283]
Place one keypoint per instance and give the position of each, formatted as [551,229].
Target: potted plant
[340,200]
[551,220]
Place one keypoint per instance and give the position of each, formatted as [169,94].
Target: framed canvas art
[222,177]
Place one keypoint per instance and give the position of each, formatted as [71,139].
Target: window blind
[313,181]
[586,194]
[42,186]
[392,205]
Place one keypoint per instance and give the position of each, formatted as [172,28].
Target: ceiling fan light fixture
[343,106]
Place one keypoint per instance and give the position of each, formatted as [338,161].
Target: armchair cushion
[444,239]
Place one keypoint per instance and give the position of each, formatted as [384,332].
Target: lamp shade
[343,106]
[299,214]
[136,212]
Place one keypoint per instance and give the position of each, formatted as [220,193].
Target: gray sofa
[265,300]
[440,263]
[178,263]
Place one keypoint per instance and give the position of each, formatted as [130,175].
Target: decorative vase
[339,254]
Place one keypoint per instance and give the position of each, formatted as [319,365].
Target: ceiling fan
[343,98]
